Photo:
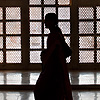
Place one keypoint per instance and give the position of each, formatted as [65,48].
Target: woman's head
[51,20]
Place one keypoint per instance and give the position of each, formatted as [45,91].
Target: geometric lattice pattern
[86,56]
[1,57]
[46,31]
[86,27]
[1,28]
[34,2]
[98,56]
[13,13]
[35,43]
[65,27]
[63,2]
[98,42]
[45,42]
[67,40]
[35,57]
[13,56]
[86,13]
[13,42]
[98,12]
[86,42]
[35,28]
[98,27]
[49,2]
[1,42]
[1,13]
[68,59]
[38,33]
[49,10]
[13,28]
[64,13]
[35,13]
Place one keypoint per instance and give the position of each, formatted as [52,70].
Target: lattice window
[38,32]
[86,27]
[13,13]
[65,27]
[1,13]
[86,42]
[86,13]
[35,42]
[64,2]
[13,56]
[13,27]
[86,56]
[10,38]
[34,2]
[35,28]
[35,13]
[89,39]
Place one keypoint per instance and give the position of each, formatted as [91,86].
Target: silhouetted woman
[53,82]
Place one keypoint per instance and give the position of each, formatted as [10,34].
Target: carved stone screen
[89,38]
[38,33]
[10,35]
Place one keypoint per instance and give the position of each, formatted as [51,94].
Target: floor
[29,78]
[29,95]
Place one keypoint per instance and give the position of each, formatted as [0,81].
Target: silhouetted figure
[53,82]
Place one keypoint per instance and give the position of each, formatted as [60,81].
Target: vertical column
[25,33]
[74,34]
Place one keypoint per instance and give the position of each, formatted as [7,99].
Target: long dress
[53,82]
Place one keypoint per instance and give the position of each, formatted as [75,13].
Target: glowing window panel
[67,40]
[34,2]
[86,42]
[65,27]
[1,13]
[98,42]
[86,13]
[35,13]
[35,42]
[49,10]
[98,56]
[63,2]
[1,57]
[1,42]
[64,13]
[49,2]
[98,27]
[13,13]
[13,42]
[13,56]
[86,28]
[98,12]
[35,57]
[35,28]
[86,56]
[1,28]
[13,28]
[45,42]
